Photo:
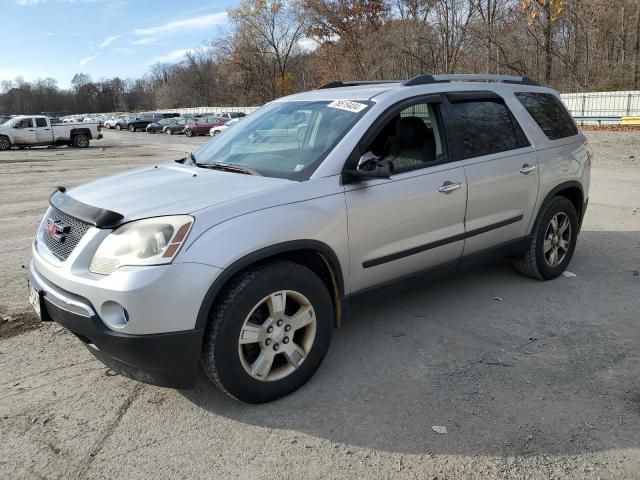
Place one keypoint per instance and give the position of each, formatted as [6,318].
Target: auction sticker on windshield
[348,105]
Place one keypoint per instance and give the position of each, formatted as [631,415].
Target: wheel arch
[312,254]
[80,131]
[572,191]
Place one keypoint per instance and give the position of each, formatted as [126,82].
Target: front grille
[77,229]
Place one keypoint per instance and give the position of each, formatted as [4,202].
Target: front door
[24,133]
[415,219]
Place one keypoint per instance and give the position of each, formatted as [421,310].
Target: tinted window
[41,122]
[485,127]
[549,113]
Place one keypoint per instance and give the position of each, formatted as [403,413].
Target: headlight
[152,241]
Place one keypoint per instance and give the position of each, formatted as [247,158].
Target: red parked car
[202,125]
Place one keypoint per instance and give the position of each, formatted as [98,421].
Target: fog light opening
[114,314]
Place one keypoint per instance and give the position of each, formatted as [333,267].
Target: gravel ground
[542,384]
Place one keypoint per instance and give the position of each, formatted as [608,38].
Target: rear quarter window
[549,113]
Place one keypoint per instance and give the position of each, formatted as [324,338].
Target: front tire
[188,132]
[168,131]
[132,128]
[553,241]
[118,127]
[5,144]
[268,332]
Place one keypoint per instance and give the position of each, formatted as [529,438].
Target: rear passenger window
[41,122]
[549,113]
[483,127]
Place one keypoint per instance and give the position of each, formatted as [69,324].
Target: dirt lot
[542,384]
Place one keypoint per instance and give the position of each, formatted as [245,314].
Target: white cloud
[307,44]
[27,3]
[145,41]
[194,23]
[109,40]
[171,56]
[61,34]
[86,60]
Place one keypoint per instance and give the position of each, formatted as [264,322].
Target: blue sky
[103,38]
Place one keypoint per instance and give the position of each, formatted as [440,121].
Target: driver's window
[412,139]
[24,123]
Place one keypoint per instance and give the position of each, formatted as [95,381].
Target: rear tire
[553,241]
[188,132]
[80,141]
[280,312]
[168,131]
[118,127]
[132,128]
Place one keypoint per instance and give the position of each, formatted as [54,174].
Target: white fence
[205,110]
[587,107]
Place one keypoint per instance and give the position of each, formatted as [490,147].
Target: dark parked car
[159,125]
[177,125]
[144,119]
[201,126]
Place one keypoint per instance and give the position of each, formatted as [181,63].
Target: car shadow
[509,365]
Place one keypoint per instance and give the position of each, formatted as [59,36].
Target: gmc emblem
[57,229]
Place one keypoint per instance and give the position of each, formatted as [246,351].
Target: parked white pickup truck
[36,130]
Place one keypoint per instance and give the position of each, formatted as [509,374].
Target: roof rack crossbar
[355,83]
[468,77]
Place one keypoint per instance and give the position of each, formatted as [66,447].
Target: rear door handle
[448,187]
[526,168]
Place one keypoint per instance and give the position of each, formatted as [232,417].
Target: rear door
[24,132]
[501,168]
[43,130]
[415,219]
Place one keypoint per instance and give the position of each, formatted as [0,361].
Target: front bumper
[164,359]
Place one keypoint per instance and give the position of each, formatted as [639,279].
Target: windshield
[4,120]
[284,139]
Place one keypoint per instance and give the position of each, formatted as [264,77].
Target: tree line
[278,47]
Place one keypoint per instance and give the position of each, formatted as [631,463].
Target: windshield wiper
[191,158]
[228,167]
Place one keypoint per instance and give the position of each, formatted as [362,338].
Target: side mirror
[371,166]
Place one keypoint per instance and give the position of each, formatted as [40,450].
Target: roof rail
[355,83]
[468,77]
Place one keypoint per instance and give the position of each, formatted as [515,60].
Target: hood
[171,190]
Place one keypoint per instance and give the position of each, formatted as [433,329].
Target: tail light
[99,127]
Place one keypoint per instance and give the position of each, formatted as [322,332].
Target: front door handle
[448,187]
[526,169]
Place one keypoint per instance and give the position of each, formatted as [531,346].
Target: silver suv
[241,258]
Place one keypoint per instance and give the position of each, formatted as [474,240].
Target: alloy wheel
[557,239]
[277,335]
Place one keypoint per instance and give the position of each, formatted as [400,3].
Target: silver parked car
[241,258]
